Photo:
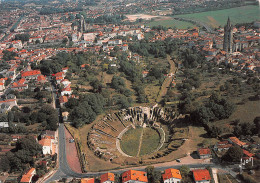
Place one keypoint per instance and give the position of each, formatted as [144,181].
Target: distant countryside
[244,14]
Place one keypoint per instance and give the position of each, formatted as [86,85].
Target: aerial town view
[130,91]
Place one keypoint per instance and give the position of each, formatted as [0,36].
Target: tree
[184,170]
[153,175]
[214,131]
[22,37]
[4,164]
[97,85]
[10,116]
[117,82]
[257,124]
[234,154]
[72,102]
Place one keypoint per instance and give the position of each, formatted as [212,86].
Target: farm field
[218,18]
[244,14]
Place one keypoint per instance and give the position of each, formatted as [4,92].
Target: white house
[65,82]
[66,91]
[4,124]
[46,146]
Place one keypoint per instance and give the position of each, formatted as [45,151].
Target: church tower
[228,37]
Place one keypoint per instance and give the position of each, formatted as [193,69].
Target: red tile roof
[201,174]
[63,99]
[247,153]
[45,142]
[134,175]
[107,177]
[87,180]
[237,141]
[171,173]
[204,151]
[30,73]
[28,176]
[41,78]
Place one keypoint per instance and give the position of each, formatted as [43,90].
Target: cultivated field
[244,14]
[218,18]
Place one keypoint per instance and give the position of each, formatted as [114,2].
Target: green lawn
[172,23]
[219,17]
[151,140]
[130,141]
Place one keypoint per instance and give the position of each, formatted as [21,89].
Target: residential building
[236,141]
[27,178]
[30,74]
[222,146]
[66,91]
[134,176]
[63,100]
[4,125]
[107,178]
[172,176]
[201,176]
[46,146]
[87,180]
[204,153]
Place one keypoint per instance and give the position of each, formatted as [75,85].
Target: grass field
[244,14]
[219,18]
[171,23]
[130,141]
[245,113]
[150,142]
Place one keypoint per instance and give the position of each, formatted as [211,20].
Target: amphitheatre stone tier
[106,135]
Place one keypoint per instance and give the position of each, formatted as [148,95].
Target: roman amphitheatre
[136,135]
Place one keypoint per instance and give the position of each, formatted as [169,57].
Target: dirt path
[167,80]
[140,143]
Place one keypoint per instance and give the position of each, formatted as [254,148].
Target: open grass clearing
[130,141]
[245,113]
[150,141]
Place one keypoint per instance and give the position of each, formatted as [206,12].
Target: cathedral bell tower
[228,37]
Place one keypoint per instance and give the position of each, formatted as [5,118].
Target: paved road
[64,171]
